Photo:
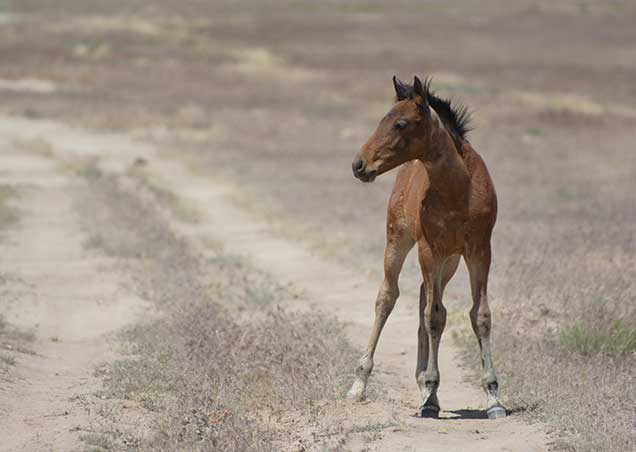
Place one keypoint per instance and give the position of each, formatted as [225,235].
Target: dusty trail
[69,298]
[333,288]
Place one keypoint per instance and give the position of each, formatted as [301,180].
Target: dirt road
[74,299]
[69,298]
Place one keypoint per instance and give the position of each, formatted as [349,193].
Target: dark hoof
[496,412]
[430,411]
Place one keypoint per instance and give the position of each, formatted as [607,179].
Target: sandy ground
[77,297]
[71,299]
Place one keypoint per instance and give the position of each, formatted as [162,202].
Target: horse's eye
[401,124]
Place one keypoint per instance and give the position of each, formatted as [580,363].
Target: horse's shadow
[470,413]
[467,414]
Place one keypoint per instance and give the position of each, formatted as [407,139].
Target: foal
[443,200]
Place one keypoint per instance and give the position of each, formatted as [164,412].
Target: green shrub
[618,339]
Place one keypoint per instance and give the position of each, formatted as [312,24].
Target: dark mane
[456,118]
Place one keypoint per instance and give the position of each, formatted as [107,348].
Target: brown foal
[443,200]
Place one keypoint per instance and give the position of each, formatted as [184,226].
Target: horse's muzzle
[360,172]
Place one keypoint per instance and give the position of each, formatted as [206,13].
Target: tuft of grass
[617,340]
[14,341]
[97,442]
[180,209]
[7,360]
[8,213]
[535,131]
[356,7]
[12,336]
[37,146]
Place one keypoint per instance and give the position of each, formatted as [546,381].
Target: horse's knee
[429,379]
[388,295]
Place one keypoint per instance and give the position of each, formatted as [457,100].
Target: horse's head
[402,135]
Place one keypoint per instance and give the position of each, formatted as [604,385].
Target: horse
[444,201]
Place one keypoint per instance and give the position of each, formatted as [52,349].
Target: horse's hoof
[496,412]
[430,411]
[357,391]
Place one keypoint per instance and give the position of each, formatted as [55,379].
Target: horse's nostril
[359,165]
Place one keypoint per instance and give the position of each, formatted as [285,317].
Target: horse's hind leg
[399,243]
[478,262]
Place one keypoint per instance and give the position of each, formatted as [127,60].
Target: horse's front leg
[432,323]
[478,262]
[384,304]
[394,255]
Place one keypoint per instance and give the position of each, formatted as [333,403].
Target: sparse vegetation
[564,335]
[211,374]
[12,342]
[7,360]
[184,212]
[587,398]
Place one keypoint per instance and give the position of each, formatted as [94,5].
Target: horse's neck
[448,175]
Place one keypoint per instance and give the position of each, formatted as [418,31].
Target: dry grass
[588,400]
[13,341]
[211,374]
[8,212]
[564,329]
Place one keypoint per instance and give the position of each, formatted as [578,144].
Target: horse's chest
[443,227]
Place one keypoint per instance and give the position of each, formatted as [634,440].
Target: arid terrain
[187,262]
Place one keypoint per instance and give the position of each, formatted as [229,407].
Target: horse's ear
[420,91]
[400,89]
